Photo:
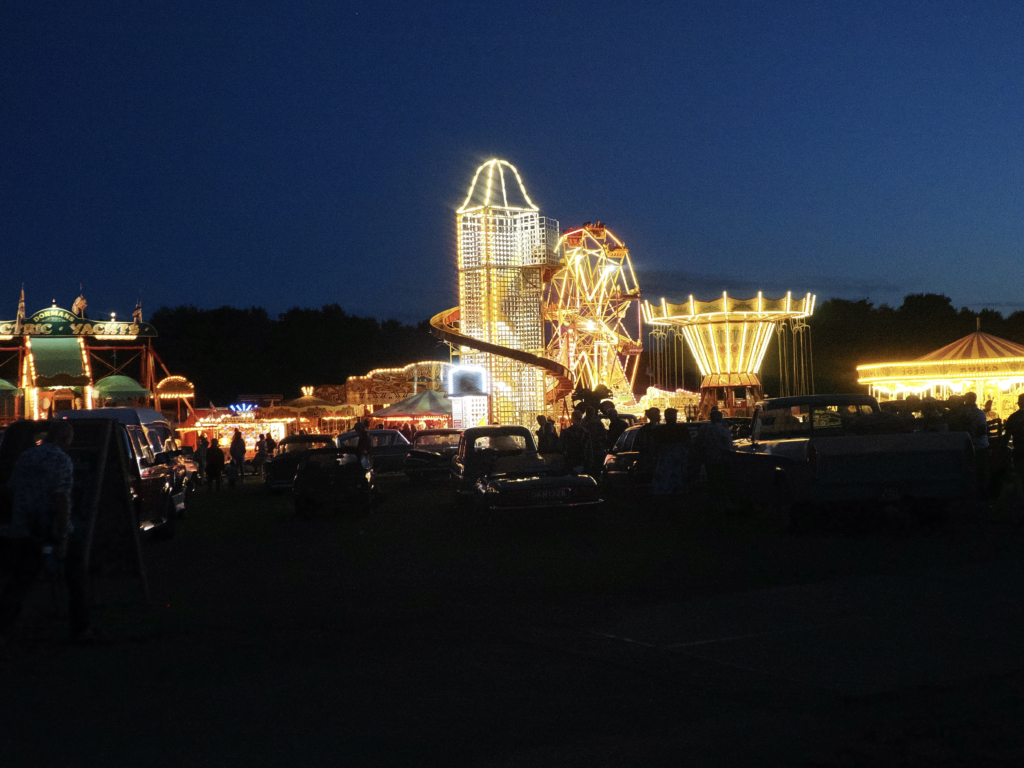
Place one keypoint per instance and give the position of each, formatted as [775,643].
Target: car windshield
[329,460]
[436,441]
[503,443]
[803,419]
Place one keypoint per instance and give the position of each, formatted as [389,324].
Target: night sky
[297,154]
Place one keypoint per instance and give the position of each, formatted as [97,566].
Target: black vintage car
[388,448]
[279,470]
[498,468]
[431,452]
[331,479]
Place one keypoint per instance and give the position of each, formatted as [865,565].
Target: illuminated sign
[467,381]
[54,321]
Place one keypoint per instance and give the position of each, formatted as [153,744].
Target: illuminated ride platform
[729,338]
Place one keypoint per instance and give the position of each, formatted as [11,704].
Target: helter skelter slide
[515,275]
[445,326]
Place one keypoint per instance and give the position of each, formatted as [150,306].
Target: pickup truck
[814,451]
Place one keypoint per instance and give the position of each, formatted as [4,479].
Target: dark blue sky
[304,153]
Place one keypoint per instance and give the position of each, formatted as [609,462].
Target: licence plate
[551,493]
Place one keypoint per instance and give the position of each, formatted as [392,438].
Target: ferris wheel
[595,332]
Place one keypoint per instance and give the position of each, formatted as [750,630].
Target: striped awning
[977,346]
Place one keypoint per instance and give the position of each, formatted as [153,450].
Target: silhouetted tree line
[228,352]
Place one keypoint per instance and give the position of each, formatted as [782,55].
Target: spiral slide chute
[444,325]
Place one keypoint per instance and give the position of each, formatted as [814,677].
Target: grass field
[642,633]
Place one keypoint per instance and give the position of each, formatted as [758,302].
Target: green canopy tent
[58,362]
[117,387]
[428,404]
[9,390]
[8,403]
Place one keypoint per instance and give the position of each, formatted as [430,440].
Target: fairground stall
[175,395]
[316,415]
[221,423]
[427,410]
[991,367]
[386,386]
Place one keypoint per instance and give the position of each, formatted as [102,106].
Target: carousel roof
[427,403]
[308,401]
[977,346]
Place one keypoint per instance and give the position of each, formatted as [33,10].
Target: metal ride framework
[729,338]
[587,303]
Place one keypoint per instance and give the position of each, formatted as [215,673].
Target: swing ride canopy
[729,337]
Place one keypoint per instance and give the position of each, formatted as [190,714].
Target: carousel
[991,367]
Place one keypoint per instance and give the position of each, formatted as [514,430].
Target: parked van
[162,475]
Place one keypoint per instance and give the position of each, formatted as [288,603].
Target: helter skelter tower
[504,248]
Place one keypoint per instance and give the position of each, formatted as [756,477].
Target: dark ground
[629,636]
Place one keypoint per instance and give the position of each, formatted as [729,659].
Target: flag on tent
[137,314]
[21,311]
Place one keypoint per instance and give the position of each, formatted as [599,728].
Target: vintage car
[330,479]
[430,454]
[499,468]
[279,470]
[840,451]
[388,448]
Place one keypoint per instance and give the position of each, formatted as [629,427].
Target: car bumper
[540,504]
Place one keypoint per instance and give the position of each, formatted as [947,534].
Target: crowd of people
[668,453]
[212,465]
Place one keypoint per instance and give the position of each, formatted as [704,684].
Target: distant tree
[227,352]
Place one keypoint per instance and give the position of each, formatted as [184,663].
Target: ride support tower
[593,306]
